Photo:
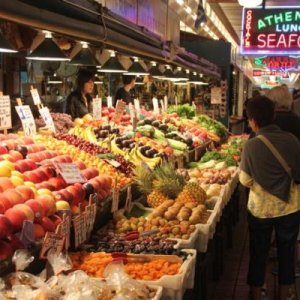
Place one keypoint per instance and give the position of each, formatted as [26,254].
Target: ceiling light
[47,50]
[180,83]
[84,57]
[54,79]
[250,3]
[112,65]
[139,81]
[136,68]
[181,76]
[195,79]
[169,75]
[5,46]
[180,2]
[154,71]
[98,80]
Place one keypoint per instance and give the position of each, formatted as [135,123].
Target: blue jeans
[260,232]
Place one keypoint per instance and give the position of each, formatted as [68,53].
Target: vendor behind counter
[123,93]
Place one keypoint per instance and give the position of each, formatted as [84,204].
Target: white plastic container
[187,244]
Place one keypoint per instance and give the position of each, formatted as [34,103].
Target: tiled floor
[232,284]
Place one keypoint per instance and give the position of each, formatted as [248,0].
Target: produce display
[62,122]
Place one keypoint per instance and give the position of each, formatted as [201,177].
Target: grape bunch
[126,166]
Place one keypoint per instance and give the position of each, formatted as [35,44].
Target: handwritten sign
[80,231]
[155,105]
[97,108]
[27,119]
[64,227]
[70,173]
[115,200]
[53,243]
[120,107]
[109,102]
[46,116]
[90,215]
[5,112]
[35,96]
[216,95]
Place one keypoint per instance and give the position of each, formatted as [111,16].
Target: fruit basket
[206,232]
[174,286]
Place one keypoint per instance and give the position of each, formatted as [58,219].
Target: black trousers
[286,232]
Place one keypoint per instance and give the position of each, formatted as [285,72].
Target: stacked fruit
[88,159]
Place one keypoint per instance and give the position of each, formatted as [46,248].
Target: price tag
[27,119]
[128,199]
[5,112]
[35,96]
[194,105]
[80,231]
[45,114]
[90,214]
[120,107]
[113,162]
[155,105]
[176,101]
[97,108]
[166,102]
[137,107]
[115,200]
[70,173]
[109,102]
[53,243]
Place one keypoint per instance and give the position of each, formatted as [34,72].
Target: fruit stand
[100,198]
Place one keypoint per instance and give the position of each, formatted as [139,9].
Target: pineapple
[192,192]
[156,198]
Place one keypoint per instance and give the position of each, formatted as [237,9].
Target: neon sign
[275,30]
[262,73]
[283,63]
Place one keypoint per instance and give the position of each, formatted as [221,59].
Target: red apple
[48,204]
[80,164]
[47,224]
[6,228]
[55,219]
[39,231]
[26,192]
[26,210]
[6,250]
[57,182]
[37,208]
[16,155]
[16,217]
[14,197]
[3,150]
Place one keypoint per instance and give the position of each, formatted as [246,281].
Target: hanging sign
[262,73]
[70,173]
[5,112]
[282,63]
[53,243]
[216,95]
[27,119]
[273,30]
[97,108]
[46,116]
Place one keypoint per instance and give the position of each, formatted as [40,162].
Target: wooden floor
[232,284]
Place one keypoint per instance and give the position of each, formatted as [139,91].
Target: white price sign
[137,107]
[216,95]
[166,102]
[162,106]
[27,119]
[45,114]
[120,107]
[109,102]
[35,96]
[5,112]
[97,108]
[155,105]
[70,173]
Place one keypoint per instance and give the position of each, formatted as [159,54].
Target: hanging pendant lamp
[112,65]
[5,47]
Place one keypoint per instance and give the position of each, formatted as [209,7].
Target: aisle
[232,284]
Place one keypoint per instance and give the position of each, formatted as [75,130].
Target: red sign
[273,30]
[260,73]
[278,62]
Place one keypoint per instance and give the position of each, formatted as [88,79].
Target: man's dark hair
[262,110]
[127,79]
[83,76]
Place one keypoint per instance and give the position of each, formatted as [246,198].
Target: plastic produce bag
[59,263]
[22,259]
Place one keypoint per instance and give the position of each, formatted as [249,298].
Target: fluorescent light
[136,68]
[188,9]
[180,2]
[250,3]
[5,47]
[112,65]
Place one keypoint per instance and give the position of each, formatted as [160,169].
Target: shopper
[79,102]
[285,118]
[123,93]
[274,199]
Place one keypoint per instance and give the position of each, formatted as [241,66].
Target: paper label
[155,105]
[128,199]
[120,107]
[113,162]
[64,227]
[35,96]
[166,102]
[5,112]
[137,107]
[109,102]
[162,106]
[90,214]
[176,101]
[70,173]
[115,200]
[97,108]
[80,231]
[46,116]
[53,243]
[27,119]
[216,95]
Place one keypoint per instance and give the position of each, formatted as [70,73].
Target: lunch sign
[274,30]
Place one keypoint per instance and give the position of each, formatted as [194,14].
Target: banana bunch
[136,157]
[86,133]
[115,149]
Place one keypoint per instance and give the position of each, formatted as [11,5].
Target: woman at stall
[270,167]
[79,102]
